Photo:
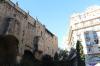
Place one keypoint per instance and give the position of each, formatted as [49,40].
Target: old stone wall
[14,21]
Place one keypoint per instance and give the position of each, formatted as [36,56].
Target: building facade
[31,34]
[85,27]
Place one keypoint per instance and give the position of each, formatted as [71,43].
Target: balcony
[94,49]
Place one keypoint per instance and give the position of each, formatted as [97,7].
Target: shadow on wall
[28,59]
[8,49]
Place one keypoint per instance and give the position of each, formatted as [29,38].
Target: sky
[55,14]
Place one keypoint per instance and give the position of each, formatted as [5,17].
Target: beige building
[31,34]
[85,27]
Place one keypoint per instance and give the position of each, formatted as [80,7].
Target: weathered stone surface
[16,22]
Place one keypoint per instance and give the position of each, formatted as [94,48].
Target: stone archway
[28,54]
[8,49]
[27,59]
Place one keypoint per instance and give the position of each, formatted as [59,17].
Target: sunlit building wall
[85,27]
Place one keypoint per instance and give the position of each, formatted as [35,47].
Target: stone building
[31,34]
[47,43]
[85,27]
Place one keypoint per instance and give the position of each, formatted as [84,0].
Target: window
[87,36]
[95,37]
[98,20]
[96,41]
[99,48]
[94,34]
[89,49]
